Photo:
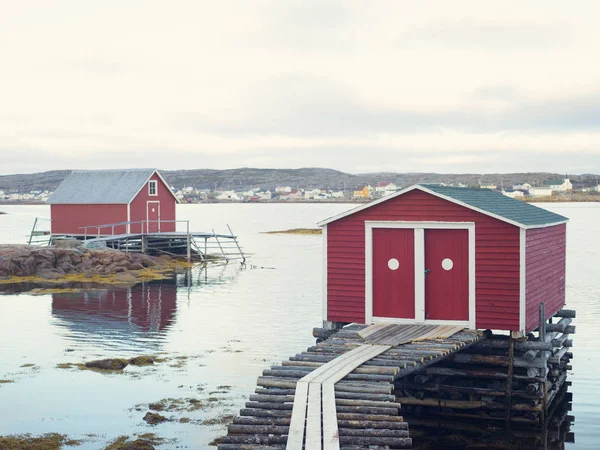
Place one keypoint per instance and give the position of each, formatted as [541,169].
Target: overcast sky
[360,86]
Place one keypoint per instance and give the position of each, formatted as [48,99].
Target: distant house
[541,191]
[283,189]
[521,187]
[227,195]
[559,186]
[385,188]
[264,195]
[311,193]
[138,198]
[364,193]
[296,194]
[493,187]
[512,193]
[336,194]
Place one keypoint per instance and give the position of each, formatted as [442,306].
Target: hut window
[393,264]
[152,188]
[447,264]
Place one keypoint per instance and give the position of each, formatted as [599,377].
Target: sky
[359,86]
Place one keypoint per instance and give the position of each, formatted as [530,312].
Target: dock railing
[226,249]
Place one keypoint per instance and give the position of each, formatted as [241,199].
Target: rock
[136,266]
[126,277]
[154,418]
[49,274]
[107,364]
[141,361]
[68,243]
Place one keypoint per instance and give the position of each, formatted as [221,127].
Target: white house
[264,195]
[336,194]
[493,187]
[559,186]
[385,188]
[283,189]
[541,191]
[308,194]
[227,195]
[521,187]
[514,194]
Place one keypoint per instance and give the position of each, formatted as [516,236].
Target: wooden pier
[340,392]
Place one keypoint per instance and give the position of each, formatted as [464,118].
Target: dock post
[218,242]
[509,379]
[237,244]
[189,243]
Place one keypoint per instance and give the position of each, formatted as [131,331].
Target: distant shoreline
[577,198]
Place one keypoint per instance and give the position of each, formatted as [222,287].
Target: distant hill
[248,178]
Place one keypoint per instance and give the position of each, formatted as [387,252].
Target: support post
[189,242]
[218,242]
[509,378]
[33,230]
[237,244]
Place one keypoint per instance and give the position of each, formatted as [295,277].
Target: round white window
[153,210]
[393,264]
[447,264]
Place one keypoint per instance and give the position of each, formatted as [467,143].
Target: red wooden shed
[99,197]
[444,255]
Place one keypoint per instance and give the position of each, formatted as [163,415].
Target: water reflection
[130,319]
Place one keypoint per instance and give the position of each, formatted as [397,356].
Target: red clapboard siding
[497,258]
[545,261]
[68,219]
[167,206]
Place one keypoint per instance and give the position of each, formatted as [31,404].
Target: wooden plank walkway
[339,393]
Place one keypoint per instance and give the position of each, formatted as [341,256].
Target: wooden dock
[340,392]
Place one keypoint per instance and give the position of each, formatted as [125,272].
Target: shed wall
[167,206]
[67,219]
[497,258]
[545,261]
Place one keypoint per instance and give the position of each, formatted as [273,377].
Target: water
[226,324]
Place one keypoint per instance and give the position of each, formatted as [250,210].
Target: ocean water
[217,329]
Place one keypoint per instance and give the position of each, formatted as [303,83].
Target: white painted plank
[348,366]
[313,418]
[331,439]
[339,360]
[296,432]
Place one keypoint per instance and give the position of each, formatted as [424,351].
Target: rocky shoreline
[52,265]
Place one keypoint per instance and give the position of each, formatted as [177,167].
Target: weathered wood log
[521,346]
[570,313]
[343,386]
[277,421]
[378,370]
[369,417]
[269,406]
[467,404]
[364,424]
[257,429]
[249,447]
[297,374]
[556,357]
[495,360]
[446,388]
[264,413]
[560,325]
[483,373]
[372,433]
[368,441]
[257,439]
[570,329]
[530,355]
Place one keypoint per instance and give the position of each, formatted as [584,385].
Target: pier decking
[339,393]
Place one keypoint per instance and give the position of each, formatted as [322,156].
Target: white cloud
[295,83]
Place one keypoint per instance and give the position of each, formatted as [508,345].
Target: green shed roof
[486,201]
[498,204]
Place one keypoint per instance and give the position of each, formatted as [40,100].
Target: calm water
[225,324]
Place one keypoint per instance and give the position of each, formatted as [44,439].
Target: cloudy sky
[379,85]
